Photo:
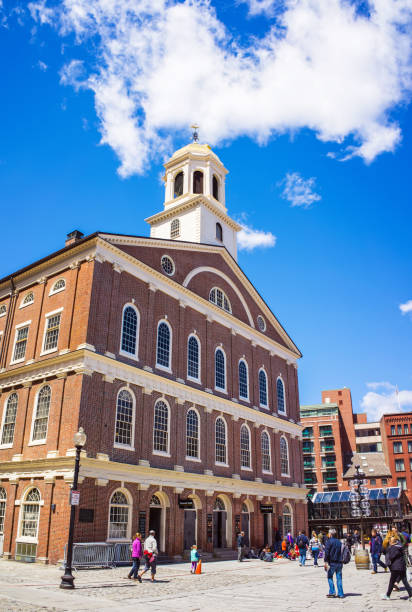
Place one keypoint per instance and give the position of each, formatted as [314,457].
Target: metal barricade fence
[122,554]
[91,554]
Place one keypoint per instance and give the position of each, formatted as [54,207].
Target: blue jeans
[315,554]
[376,559]
[335,568]
[302,556]
[135,568]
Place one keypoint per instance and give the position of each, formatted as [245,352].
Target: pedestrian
[289,539]
[150,553]
[376,551]
[136,554]
[303,545]
[315,547]
[395,559]
[194,557]
[240,545]
[284,548]
[334,564]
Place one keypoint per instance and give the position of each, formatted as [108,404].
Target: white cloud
[42,65]
[259,7]
[156,65]
[380,385]
[299,191]
[407,307]
[377,404]
[249,238]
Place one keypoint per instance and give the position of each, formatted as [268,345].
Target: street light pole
[67,581]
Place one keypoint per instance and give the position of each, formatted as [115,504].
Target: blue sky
[316,101]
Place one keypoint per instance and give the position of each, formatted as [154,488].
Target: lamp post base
[67,580]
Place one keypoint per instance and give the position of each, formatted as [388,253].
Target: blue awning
[337,497]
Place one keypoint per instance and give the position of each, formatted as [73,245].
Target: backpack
[345,554]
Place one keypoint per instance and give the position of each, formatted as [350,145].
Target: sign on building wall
[266,508]
[187,504]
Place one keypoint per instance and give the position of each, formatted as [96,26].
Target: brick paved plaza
[280,586]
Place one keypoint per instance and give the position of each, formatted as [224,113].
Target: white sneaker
[385,596]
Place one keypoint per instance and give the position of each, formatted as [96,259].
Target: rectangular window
[384,481]
[399,430]
[399,465]
[410,447]
[410,464]
[20,343]
[372,481]
[405,428]
[52,332]
[401,482]
[393,430]
[397,447]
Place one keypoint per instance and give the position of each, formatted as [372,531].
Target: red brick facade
[396,430]
[85,372]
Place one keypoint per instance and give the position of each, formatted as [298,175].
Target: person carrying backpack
[336,554]
[302,543]
[315,546]
[395,559]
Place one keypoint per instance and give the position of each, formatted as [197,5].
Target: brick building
[335,438]
[396,430]
[183,379]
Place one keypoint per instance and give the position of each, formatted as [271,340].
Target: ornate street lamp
[385,495]
[79,440]
[359,498]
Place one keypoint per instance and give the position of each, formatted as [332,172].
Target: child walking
[194,557]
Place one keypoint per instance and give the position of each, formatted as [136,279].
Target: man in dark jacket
[303,545]
[376,551]
[395,559]
[333,564]
[240,545]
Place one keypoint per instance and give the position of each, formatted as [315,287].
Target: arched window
[3,499]
[265,442]
[59,285]
[161,427]
[28,299]
[218,297]
[220,370]
[219,232]
[30,514]
[284,457]
[192,434]
[175,228]
[197,181]
[193,370]
[41,415]
[215,187]
[163,345]
[130,326]
[243,380]
[119,515]
[124,427]
[9,419]
[219,505]
[287,519]
[178,185]
[244,447]
[220,440]
[263,389]
[280,392]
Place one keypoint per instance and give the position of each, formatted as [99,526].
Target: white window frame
[265,406]
[46,317]
[172,262]
[286,474]
[158,452]
[22,305]
[29,539]
[3,500]
[129,516]
[3,418]
[270,471]
[118,444]
[224,297]
[220,389]
[33,418]
[159,366]
[3,314]
[285,411]
[241,397]
[17,327]
[222,463]
[287,505]
[134,356]
[53,291]
[198,379]
[243,467]
[187,457]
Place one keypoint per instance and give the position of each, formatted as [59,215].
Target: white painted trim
[270,451]
[28,303]
[242,467]
[28,539]
[286,474]
[220,389]
[46,317]
[241,398]
[167,368]
[285,411]
[52,291]
[229,281]
[34,415]
[9,444]
[122,352]
[198,434]
[53,312]
[118,444]
[220,416]
[17,327]
[129,515]
[167,452]
[173,264]
[267,405]
[199,345]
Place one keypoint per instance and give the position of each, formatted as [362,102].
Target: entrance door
[267,528]
[189,533]
[155,522]
[245,527]
[219,529]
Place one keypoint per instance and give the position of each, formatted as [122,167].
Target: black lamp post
[67,582]
[385,494]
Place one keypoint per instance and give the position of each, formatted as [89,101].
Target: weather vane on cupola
[195,134]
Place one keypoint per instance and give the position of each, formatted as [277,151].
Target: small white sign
[74,498]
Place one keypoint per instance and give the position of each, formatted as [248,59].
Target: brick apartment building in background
[397,447]
[335,438]
[181,376]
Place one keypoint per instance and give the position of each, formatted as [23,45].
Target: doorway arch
[222,522]
[247,508]
[159,502]
[190,522]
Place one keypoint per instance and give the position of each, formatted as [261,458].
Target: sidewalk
[282,586]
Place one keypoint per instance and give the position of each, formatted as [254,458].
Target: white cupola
[194,206]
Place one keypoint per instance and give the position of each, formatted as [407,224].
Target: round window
[261,323]
[168,265]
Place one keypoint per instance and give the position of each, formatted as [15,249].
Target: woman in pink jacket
[136,554]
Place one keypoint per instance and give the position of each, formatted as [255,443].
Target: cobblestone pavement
[282,586]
